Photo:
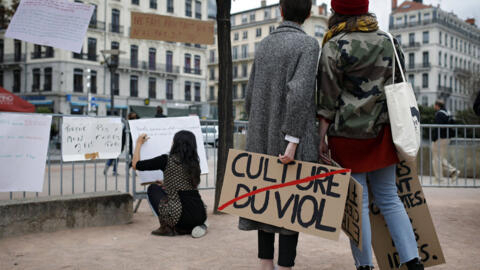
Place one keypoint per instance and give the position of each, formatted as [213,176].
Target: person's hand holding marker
[142,139]
[289,155]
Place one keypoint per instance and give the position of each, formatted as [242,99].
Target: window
[170,6]
[153,4]
[212,74]
[235,52]
[16,81]
[2,49]
[245,51]
[234,91]
[197,92]
[152,54]
[445,58]
[17,50]
[93,20]
[398,20]
[136,2]
[426,37]
[78,80]
[244,70]
[37,51]
[244,89]
[212,56]
[439,80]
[426,16]
[169,89]
[267,14]
[198,9]
[425,101]
[93,82]
[259,32]
[188,63]
[232,20]
[47,81]
[440,38]
[198,71]
[36,80]
[188,8]
[152,87]
[255,46]
[440,58]
[1,77]
[212,93]
[252,17]
[115,83]
[235,71]
[425,80]
[426,62]
[92,49]
[411,39]
[169,67]
[49,52]
[411,60]
[319,30]
[244,18]
[188,93]
[456,43]
[411,79]
[245,35]
[134,86]
[115,46]
[134,56]
[451,42]
[271,28]
[115,27]
[235,36]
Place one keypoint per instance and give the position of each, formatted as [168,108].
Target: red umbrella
[12,103]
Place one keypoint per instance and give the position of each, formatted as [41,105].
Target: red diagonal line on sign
[293,183]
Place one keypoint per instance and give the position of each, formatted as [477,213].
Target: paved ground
[456,213]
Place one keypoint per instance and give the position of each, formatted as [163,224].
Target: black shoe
[414,264]
[366,267]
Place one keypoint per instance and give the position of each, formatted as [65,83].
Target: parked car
[210,135]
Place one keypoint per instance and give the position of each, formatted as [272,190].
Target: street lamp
[111,59]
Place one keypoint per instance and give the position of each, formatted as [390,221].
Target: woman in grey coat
[280,104]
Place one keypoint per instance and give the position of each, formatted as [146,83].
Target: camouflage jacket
[353,70]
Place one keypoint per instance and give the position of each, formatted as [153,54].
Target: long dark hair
[351,20]
[185,149]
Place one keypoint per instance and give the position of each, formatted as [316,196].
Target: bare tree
[225,114]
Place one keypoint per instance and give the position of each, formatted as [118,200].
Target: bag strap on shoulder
[395,57]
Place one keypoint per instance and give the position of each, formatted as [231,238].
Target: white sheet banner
[161,132]
[23,152]
[85,138]
[57,23]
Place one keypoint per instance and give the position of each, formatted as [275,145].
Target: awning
[144,111]
[83,104]
[41,102]
[123,107]
[12,103]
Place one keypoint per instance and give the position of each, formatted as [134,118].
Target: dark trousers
[156,194]
[287,247]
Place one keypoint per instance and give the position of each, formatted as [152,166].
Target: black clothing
[476,105]
[161,115]
[156,194]
[443,117]
[287,247]
[156,163]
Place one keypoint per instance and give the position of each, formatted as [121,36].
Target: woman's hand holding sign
[289,155]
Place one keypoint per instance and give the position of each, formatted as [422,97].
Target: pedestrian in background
[280,104]
[441,139]
[355,66]
[159,113]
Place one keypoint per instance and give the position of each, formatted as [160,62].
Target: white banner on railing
[23,152]
[161,132]
[86,138]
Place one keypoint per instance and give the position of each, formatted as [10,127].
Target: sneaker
[164,231]
[199,231]
[454,175]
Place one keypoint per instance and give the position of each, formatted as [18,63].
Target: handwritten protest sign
[352,217]
[166,28]
[161,132]
[411,194]
[85,138]
[23,152]
[57,23]
[314,207]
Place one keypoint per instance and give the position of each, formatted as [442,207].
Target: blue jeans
[384,190]
[109,163]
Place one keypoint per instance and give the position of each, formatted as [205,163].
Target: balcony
[127,64]
[40,55]
[411,46]
[419,67]
[85,56]
[97,25]
[115,28]
[13,58]
[189,70]
[444,92]
[461,73]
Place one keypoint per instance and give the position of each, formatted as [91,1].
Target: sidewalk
[456,214]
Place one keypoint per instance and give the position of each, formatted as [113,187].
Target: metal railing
[461,151]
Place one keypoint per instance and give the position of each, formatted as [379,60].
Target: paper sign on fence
[85,138]
[23,152]
[314,207]
[161,132]
[411,194]
[56,23]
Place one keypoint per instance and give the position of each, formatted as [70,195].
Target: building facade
[149,73]
[248,29]
[442,52]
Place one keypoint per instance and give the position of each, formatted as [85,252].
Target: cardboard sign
[23,152]
[57,23]
[352,217]
[161,132]
[85,138]
[411,194]
[166,28]
[314,207]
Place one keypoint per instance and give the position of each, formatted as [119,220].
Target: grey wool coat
[280,99]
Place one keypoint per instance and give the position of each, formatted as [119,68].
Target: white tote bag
[403,113]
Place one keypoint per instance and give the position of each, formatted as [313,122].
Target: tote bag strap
[395,57]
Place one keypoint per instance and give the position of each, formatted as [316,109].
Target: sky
[382,8]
